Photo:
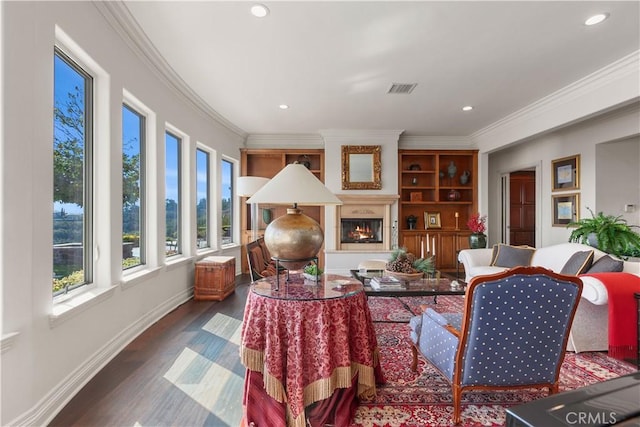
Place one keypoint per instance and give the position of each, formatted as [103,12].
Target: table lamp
[247,186]
[294,239]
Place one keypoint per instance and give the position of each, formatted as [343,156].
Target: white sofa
[591,323]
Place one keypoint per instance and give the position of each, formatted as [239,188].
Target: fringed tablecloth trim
[300,421]
[254,361]
[341,377]
[366,381]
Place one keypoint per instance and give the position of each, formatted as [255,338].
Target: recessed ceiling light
[467,108]
[259,10]
[596,19]
[284,106]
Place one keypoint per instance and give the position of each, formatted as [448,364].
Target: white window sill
[7,341]
[178,261]
[66,308]
[134,278]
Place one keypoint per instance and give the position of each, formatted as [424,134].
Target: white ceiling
[334,61]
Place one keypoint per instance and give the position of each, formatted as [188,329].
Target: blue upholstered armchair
[512,334]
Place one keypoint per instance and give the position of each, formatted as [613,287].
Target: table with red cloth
[310,351]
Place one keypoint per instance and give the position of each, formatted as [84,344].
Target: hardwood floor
[183,371]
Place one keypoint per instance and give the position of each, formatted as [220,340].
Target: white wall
[584,139]
[46,359]
[618,178]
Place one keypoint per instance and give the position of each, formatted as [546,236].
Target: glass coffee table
[441,284]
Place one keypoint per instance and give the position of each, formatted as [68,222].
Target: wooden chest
[215,278]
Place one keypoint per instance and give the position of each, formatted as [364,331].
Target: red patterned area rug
[401,309]
[423,398]
[389,309]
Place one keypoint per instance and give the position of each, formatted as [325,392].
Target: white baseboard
[51,404]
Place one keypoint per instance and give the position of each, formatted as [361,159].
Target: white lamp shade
[247,186]
[295,184]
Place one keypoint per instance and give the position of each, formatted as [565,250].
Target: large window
[133,138]
[202,198]
[72,175]
[173,196]
[227,202]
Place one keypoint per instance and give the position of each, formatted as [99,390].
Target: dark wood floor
[157,380]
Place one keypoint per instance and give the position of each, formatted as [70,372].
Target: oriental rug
[423,398]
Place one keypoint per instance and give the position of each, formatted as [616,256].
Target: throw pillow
[494,254]
[513,256]
[606,264]
[578,263]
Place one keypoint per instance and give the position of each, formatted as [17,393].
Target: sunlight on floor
[208,383]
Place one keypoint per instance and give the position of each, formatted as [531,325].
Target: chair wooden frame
[256,271]
[463,335]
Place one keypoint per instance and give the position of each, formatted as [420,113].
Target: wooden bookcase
[426,187]
[267,163]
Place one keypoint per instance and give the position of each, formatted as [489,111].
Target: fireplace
[361,230]
[363,223]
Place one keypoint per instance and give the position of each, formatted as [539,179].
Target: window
[202,198]
[133,138]
[172,194]
[227,202]
[72,175]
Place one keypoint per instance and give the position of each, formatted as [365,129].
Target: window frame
[209,155]
[232,208]
[179,176]
[142,220]
[88,167]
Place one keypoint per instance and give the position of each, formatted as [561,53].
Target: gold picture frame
[565,209]
[432,220]
[361,167]
[565,173]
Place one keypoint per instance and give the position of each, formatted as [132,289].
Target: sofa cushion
[606,264]
[579,263]
[513,256]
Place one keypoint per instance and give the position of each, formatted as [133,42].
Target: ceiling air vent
[402,87]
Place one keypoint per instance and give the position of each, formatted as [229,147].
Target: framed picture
[566,173]
[565,209]
[432,220]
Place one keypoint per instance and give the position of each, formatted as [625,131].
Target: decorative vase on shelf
[477,240]
[453,195]
[464,178]
[452,169]
[412,220]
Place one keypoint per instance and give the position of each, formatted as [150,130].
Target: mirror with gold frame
[361,167]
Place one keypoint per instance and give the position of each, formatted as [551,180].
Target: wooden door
[522,209]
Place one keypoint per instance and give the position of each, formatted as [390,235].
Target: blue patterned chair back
[515,328]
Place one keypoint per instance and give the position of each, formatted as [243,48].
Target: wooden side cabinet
[215,278]
[447,246]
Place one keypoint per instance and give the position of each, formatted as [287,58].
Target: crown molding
[120,18]
[617,71]
[436,142]
[310,141]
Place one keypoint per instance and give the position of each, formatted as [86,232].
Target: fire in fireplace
[360,230]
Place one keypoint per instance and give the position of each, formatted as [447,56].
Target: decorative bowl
[404,276]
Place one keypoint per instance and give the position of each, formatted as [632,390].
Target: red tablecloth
[308,344]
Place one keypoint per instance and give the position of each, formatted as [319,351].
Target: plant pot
[477,240]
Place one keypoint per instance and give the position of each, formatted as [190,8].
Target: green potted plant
[608,233]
